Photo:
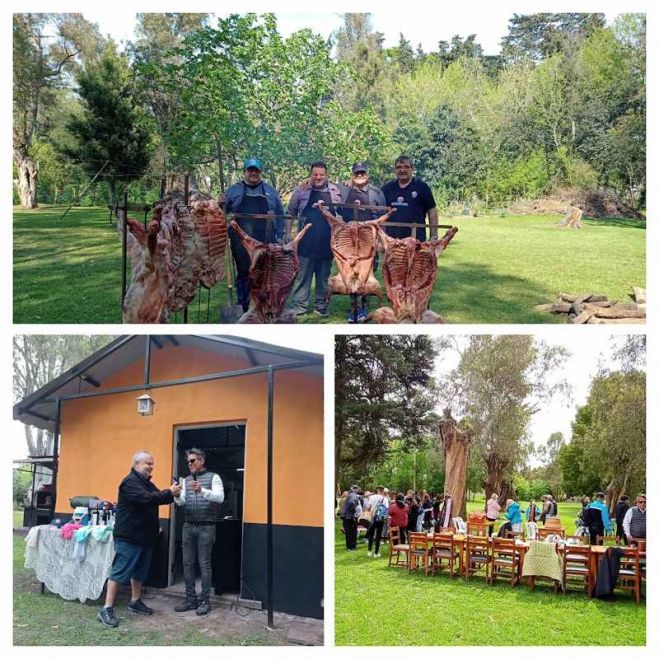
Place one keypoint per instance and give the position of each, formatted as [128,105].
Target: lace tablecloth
[51,556]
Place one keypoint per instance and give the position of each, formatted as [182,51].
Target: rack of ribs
[354,245]
[410,269]
[272,272]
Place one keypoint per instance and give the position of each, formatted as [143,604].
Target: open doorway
[224,445]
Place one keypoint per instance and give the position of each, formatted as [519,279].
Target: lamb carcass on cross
[410,269]
[272,272]
[182,247]
[354,245]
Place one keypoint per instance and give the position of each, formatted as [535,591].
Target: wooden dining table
[459,540]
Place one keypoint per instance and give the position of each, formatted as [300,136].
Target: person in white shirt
[201,491]
[378,504]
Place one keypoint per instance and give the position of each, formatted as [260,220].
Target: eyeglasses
[192,461]
[642,501]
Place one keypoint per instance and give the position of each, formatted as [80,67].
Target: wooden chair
[419,552]
[477,528]
[629,576]
[477,555]
[444,549]
[577,539]
[545,531]
[505,560]
[396,548]
[576,566]
[509,534]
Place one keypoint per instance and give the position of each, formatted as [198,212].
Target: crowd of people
[410,196]
[415,512]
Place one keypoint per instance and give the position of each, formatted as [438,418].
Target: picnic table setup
[551,556]
[74,563]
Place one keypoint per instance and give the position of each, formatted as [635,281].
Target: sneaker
[361,315]
[299,311]
[323,313]
[369,553]
[203,608]
[138,606]
[107,618]
[351,317]
[186,605]
[376,555]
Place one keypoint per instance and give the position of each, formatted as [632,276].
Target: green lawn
[420,610]
[49,620]
[494,271]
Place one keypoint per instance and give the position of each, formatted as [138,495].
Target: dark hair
[403,158]
[318,163]
[198,452]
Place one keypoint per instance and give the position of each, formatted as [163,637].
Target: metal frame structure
[268,369]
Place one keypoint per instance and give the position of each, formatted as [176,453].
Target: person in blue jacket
[594,526]
[514,515]
[532,512]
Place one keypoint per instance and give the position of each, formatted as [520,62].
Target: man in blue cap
[252,196]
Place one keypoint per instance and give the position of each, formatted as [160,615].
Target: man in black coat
[621,510]
[135,531]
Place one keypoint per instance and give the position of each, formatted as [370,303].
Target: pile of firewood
[598,309]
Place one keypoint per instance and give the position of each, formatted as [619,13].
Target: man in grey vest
[634,521]
[202,489]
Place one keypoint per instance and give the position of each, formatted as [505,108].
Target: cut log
[616,321]
[639,295]
[627,306]
[601,304]
[614,312]
[567,297]
[561,307]
[583,317]
[583,298]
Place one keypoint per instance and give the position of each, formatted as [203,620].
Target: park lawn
[494,271]
[442,611]
[50,620]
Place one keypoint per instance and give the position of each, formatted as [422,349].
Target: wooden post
[124,250]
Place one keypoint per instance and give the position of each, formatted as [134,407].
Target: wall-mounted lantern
[145,404]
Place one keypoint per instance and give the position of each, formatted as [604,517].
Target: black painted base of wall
[298,568]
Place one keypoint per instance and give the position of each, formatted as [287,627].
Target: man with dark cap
[252,196]
[413,200]
[360,190]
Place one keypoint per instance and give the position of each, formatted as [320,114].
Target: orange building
[255,409]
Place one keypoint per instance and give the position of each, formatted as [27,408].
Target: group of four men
[409,195]
[136,530]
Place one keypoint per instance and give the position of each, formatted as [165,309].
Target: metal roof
[38,409]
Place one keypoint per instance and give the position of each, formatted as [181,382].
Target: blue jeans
[311,266]
[198,543]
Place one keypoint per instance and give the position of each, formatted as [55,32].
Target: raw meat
[272,272]
[410,269]
[182,247]
[354,245]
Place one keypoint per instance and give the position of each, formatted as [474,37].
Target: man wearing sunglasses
[634,521]
[201,491]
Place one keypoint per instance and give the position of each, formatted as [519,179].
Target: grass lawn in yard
[49,620]
[442,611]
[494,271]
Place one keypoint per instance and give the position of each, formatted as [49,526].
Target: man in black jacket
[136,529]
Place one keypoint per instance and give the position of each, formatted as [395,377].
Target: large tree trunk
[494,479]
[455,443]
[28,171]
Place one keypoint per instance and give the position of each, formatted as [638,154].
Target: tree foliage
[38,359]
[384,392]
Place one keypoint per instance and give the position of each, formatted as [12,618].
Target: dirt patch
[594,204]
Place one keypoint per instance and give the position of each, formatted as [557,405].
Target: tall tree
[536,36]
[158,40]
[456,443]
[384,391]
[38,359]
[110,134]
[500,382]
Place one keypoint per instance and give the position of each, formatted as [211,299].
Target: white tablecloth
[52,559]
